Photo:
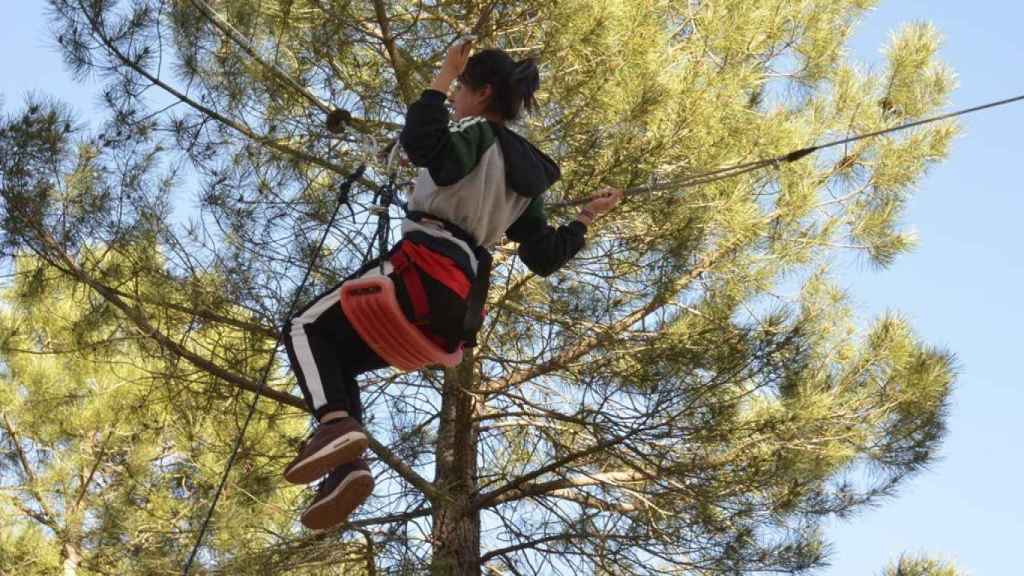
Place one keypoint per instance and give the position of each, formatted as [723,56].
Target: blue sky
[957,287]
[958,290]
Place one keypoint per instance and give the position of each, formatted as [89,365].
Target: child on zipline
[478,181]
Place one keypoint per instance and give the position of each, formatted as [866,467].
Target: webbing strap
[438,266]
[413,285]
[453,229]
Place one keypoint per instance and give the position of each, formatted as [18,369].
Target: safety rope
[738,169]
[342,194]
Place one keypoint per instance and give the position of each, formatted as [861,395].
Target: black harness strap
[474,318]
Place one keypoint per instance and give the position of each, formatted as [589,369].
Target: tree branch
[398,63]
[509,490]
[563,486]
[524,545]
[405,471]
[588,344]
[92,472]
[143,324]
[46,518]
[225,27]
[209,112]
[203,314]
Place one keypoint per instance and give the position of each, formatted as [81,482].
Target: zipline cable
[342,194]
[738,169]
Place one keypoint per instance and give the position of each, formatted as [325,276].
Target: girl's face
[467,101]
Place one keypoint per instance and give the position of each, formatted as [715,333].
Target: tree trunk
[71,557]
[456,524]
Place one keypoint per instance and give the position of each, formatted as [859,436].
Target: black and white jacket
[488,181]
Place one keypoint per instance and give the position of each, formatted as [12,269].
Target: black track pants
[327,353]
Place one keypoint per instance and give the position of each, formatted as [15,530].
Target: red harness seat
[372,307]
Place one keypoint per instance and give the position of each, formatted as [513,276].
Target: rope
[343,191]
[387,197]
[738,169]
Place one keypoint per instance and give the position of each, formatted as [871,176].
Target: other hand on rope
[600,204]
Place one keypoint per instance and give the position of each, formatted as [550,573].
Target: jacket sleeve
[542,247]
[449,154]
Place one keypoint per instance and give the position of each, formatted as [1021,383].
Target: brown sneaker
[335,443]
[344,489]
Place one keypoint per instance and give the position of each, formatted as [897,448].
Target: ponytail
[514,84]
[525,81]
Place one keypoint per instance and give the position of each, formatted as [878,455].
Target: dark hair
[513,84]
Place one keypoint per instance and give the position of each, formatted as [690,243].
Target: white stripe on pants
[300,342]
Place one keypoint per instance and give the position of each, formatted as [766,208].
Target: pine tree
[113,445]
[663,404]
[921,566]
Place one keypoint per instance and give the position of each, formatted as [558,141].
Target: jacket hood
[528,171]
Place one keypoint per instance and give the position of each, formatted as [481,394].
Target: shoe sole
[336,507]
[342,450]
